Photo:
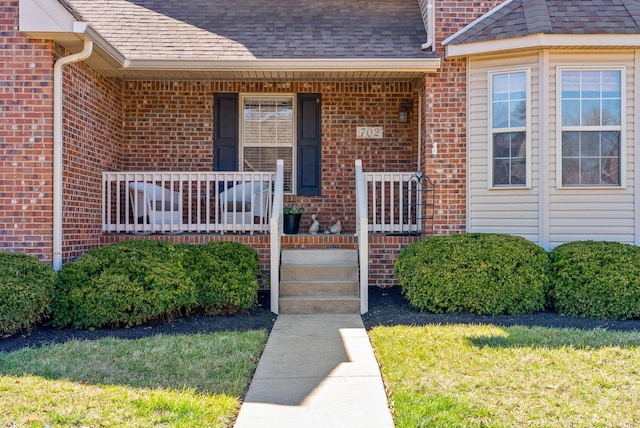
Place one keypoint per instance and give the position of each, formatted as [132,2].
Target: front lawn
[182,380]
[483,375]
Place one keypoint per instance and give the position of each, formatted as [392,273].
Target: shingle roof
[259,29]
[519,18]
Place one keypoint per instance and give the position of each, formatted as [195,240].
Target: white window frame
[294,147]
[491,130]
[622,128]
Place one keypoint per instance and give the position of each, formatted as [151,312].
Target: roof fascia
[408,65]
[44,16]
[48,19]
[476,21]
[541,40]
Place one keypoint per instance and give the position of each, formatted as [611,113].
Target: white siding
[515,210]
[546,213]
[601,213]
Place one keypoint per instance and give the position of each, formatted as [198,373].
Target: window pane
[590,84]
[570,84]
[501,145]
[570,171]
[589,171]
[518,113]
[611,84]
[500,87]
[611,112]
[570,144]
[518,145]
[501,115]
[571,112]
[590,113]
[501,172]
[519,171]
[590,144]
[610,171]
[610,145]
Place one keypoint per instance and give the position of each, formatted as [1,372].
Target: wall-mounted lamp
[404,110]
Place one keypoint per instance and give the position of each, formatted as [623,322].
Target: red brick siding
[445,118]
[92,143]
[26,139]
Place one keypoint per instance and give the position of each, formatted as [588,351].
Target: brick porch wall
[26,139]
[383,250]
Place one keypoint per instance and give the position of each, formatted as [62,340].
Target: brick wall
[445,118]
[26,139]
[92,143]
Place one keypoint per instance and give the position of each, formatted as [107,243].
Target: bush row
[127,284]
[495,273]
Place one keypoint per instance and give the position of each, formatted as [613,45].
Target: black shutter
[225,140]
[308,167]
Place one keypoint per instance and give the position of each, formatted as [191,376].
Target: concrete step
[319,288]
[319,305]
[300,272]
[329,256]
[315,281]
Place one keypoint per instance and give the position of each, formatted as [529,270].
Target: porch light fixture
[403,111]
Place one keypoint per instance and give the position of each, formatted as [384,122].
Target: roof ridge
[536,16]
[633,7]
[77,15]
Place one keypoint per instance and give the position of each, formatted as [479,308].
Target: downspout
[57,147]
[430,14]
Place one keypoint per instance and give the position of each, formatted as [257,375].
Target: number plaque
[369,132]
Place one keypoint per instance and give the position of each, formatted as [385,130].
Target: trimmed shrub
[26,287]
[596,279]
[123,285]
[224,274]
[474,272]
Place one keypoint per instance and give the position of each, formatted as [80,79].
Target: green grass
[472,376]
[187,381]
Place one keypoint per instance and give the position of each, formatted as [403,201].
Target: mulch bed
[387,307]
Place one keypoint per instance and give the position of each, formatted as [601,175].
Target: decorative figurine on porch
[315,226]
[336,228]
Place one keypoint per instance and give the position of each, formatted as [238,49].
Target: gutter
[57,147]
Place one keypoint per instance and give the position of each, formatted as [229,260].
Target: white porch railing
[275,224]
[399,202]
[363,236]
[174,202]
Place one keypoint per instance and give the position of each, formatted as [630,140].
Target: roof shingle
[519,18]
[259,29]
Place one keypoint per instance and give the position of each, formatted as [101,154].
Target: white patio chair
[242,203]
[158,204]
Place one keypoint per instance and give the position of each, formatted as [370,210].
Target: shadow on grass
[387,307]
[546,338]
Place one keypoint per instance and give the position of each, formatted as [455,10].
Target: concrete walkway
[316,371]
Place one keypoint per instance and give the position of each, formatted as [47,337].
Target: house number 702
[369,132]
